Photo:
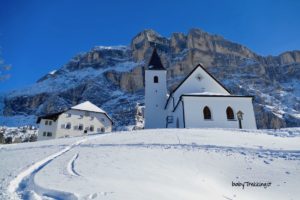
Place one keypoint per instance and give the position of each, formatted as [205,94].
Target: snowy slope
[155,164]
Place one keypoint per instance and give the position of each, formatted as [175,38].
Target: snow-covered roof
[207,93]
[88,106]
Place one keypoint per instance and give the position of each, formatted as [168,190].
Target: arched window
[206,113]
[91,128]
[229,113]
[155,79]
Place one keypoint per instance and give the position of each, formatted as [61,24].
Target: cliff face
[113,77]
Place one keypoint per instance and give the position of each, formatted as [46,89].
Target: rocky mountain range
[113,78]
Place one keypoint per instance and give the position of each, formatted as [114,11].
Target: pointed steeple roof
[155,62]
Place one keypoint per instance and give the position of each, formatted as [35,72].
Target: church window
[199,77]
[206,113]
[92,128]
[155,79]
[229,113]
[68,126]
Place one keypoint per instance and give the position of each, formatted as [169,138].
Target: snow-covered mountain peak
[114,75]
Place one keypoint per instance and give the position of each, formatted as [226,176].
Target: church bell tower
[155,93]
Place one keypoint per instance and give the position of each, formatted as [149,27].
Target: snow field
[161,164]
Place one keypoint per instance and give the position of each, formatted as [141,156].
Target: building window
[46,122]
[49,134]
[91,128]
[102,130]
[229,113]
[169,119]
[68,126]
[44,133]
[50,123]
[86,113]
[155,79]
[80,127]
[206,113]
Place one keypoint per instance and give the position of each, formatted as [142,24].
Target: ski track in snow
[71,166]
[24,187]
[261,153]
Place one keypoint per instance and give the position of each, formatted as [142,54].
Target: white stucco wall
[155,99]
[78,117]
[58,129]
[193,110]
[47,128]
[194,85]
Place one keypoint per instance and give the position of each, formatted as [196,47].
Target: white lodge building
[198,101]
[82,119]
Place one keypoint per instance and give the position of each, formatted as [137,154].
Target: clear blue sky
[37,36]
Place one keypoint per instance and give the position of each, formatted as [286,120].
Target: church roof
[201,66]
[88,106]
[155,62]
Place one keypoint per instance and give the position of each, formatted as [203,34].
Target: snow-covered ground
[156,164]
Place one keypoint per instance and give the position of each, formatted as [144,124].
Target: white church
[199,101]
